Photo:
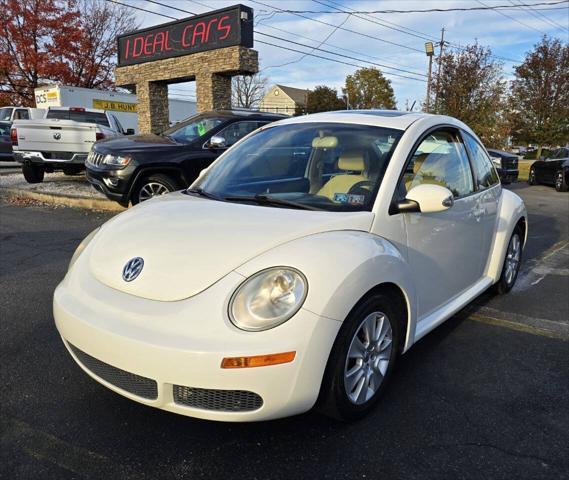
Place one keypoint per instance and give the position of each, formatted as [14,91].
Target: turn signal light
[258,360]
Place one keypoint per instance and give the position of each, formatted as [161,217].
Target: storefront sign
[114,106]
[218,29]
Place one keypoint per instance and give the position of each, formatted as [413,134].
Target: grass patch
[524,166]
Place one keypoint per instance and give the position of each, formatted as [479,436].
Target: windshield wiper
[263,199]
[202,193]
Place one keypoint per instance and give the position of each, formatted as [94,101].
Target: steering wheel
[362,188]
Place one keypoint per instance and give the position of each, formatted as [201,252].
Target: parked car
[5,142]
[295,270]
[9,114]
[62,140]
[506,164]
[552,171]
[136,168]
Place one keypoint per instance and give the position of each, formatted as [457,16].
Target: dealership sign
[218,29]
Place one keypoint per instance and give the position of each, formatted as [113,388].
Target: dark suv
[506,164]
[135,168]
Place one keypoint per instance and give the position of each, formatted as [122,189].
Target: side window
[440,159]
[236,131]
[486,175]
[22,114]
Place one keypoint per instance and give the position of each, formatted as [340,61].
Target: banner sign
[114,106]
[218,29]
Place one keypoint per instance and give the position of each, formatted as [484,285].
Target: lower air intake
[135,384]
[218,400]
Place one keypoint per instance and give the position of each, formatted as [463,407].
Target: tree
[540,95]
[368,88]
[58,41]
[471,88]
[248,91]
[323,99]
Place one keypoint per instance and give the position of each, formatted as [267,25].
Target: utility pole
[442,46]
[430,51]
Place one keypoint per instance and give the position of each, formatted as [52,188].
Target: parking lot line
[520,327]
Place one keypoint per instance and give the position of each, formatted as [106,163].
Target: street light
[430,51]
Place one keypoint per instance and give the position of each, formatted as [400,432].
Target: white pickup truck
[60,141]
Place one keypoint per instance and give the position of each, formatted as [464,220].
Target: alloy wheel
[152,189]
[368,358]
[559,181]
[513,258]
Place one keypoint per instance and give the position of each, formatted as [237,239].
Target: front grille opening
[135,384]
[218,400]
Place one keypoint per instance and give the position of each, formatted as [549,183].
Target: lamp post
[430,51]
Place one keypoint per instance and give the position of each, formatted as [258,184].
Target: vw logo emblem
[132,269]
[57,136]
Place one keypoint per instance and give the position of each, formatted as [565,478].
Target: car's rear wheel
[361,360]
[560,183]
[154,186]
[512,263]
[531,177]
[33,173]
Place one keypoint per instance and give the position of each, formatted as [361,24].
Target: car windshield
[323,166]
[561,153]
[5,113]
[192,129]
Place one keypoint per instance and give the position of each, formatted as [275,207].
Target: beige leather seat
[342,183]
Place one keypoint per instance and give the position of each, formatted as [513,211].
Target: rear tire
[33,173]
[153,186]
[512,262]
[358,369]
[560,183]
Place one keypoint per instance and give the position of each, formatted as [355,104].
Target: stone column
[152,106]
[213,91]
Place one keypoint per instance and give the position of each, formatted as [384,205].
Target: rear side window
[22,114]
[486,175]
[78,116]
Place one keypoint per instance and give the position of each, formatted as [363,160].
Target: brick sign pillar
[208,49]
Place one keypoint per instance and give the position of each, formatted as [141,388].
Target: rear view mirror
[425,198]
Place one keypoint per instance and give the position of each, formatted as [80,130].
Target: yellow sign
[51,96]
[115,106]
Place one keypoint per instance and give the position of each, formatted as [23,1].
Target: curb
[65,200]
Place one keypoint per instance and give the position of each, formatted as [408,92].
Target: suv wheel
[361,360]
[154,186]
[531,177]
[33,173]
[560,183]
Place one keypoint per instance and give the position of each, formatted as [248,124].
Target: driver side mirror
[425,198]
[217,142]
[129,131]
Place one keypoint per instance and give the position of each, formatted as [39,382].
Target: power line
[141,9]
[496,8]
[415,33]
[540,16]
[512,18]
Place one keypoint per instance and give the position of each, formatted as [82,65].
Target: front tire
[33,173]
[154,186]
[512,263]
[560,183]
[531,177]
[362,359]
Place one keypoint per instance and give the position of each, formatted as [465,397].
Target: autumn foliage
[71,42]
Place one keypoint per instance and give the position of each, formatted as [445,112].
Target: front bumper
[50,158]
[180,346]
[509,176]
[113,184]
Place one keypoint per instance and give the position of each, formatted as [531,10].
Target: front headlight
[267,299]
[497,162]
[81,247]
[116,160]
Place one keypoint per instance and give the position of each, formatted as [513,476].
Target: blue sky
[509,35]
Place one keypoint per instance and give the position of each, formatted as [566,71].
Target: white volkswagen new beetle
[295,269]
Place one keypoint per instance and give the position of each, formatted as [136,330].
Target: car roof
[394,119]
[501,152]
[245,113]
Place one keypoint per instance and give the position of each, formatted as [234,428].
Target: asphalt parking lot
[485,395]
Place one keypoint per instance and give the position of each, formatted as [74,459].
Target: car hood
[136,143]
[189,243]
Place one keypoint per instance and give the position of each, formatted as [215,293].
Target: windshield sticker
[349,199]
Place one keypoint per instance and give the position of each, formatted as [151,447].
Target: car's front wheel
[560,183]
[33,173]
[512,263]
[154,186]
[361,360]
[531,177]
